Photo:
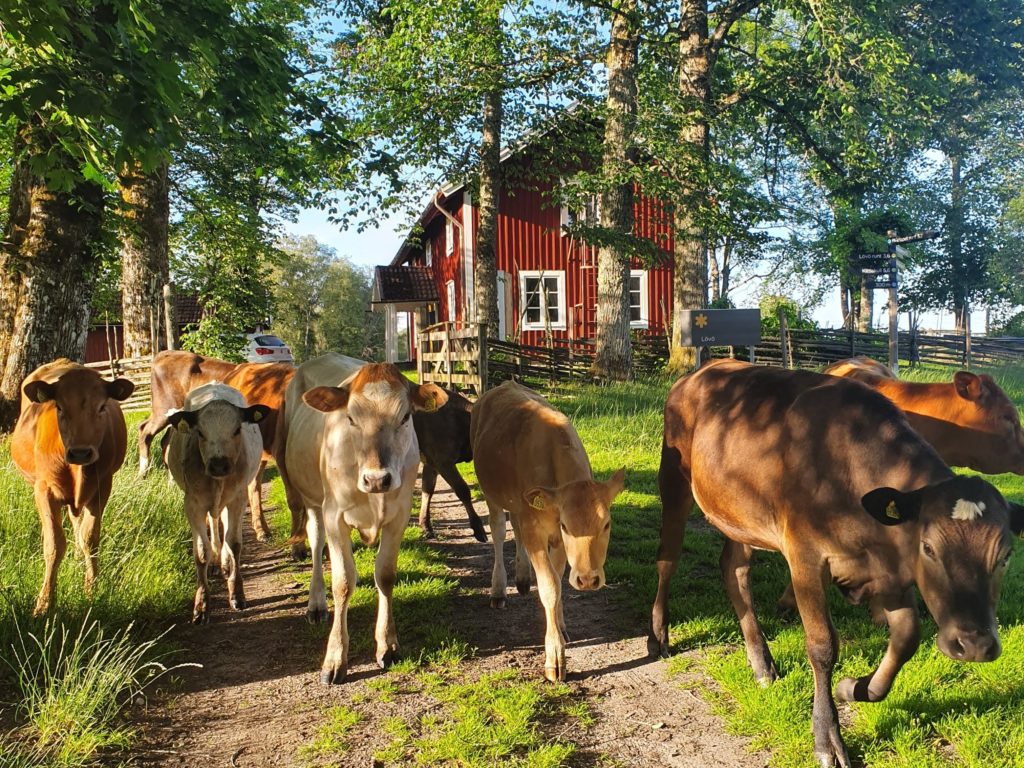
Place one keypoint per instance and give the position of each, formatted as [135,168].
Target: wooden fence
[135,369]
[453,355]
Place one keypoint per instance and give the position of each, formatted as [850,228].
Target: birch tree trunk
[486,278]
[955,235]
[689,278]
[613,354]
[47,269]
[867,307]
[143,257]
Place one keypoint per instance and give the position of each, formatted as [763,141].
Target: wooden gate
[453,354]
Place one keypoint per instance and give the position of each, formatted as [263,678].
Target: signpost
[720,328]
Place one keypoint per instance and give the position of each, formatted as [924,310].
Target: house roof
[405,287]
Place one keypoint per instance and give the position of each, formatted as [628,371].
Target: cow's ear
[254,414]
[1016,518]
[891,507]
[326,399]
[540,498]
[39,391]
[427,397]
[182,420]
[615,484]
[968,386]
[120,389]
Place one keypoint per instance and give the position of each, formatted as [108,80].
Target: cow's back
[176,372]
[264,383]
[520,441]
[861,368]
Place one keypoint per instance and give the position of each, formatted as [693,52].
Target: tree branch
[728,15]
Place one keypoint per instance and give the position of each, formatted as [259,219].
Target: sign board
[871,256]
[881,281]
[720,327]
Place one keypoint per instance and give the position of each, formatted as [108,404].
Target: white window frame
[645,317]
[450,294]
[449,237]
[559,275]
[428,253]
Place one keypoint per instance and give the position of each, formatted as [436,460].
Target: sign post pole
[894,327]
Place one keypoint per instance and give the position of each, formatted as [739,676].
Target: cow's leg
[343,583]
[231,551]
[54,546]
[786,604]
[300,522]
[259,522]
[451,475]
[499,581]
[809,585]
[203,553]
[558,557]
[428,484]
[385,570]
[735,564]
[904,637]
[88,533]
[549,589]
[676,503]
[214,523]
[150,428]
[316,612]
[522,561]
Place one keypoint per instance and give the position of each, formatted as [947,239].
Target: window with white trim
[450,288]
[638,314]
[542,300]
[449,237]
[428,253]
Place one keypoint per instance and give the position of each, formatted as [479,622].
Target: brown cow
[70,420]
[530,461]
[829,473]
[443,436]
[970,421]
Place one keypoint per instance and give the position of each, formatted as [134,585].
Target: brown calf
[69,440]
[443,436]
[970,421]
[829,473]
[530,461]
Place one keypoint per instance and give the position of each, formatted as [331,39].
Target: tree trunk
[716,275]
[689,279]
[144,257]
[613,353]
[47,268]
[844,302]
[486,278]
[955,238]
[866,315]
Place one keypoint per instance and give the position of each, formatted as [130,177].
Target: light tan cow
[530,461]
[351,456]
[215,453]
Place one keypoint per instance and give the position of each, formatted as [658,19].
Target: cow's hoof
[299,552]
[498,602]
[200,617]
[478,530]
[317,615]
[333,676]
[657,648]
[238,604]
[523,587]
[263,535]
[389,658]
[554,674]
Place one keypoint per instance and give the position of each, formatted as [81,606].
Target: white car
[266,348]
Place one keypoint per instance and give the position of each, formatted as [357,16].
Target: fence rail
[453,355]
[136,370]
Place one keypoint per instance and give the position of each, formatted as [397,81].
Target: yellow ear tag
[538,502]
[41,396]
[182,426]
[430,405]
[891,511]
[257,416]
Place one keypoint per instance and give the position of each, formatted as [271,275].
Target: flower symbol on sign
[701,321]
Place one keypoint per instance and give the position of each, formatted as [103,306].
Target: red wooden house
[547,277]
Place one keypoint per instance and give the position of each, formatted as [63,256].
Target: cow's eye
[1004,560]
[608,525]
[928,550]
[350,421]
[564,529]
[406,418]
[201,435]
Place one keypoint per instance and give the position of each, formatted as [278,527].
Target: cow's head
[81,398]
[962,538]
[378,402]
[584,515]
[217,428]
[985,409]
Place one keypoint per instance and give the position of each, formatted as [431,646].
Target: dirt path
[257,698]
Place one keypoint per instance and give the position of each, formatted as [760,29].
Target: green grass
[331,740]
[939,714]
[66,680]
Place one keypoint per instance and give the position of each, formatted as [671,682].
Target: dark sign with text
[720,327]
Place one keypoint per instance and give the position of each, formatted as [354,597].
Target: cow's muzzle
[586,582]
[85,455]
[375,481]
[970,644]
[218,466]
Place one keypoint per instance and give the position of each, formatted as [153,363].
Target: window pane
[532,299]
